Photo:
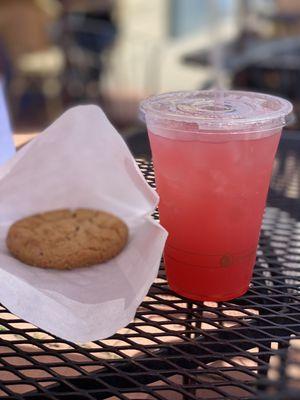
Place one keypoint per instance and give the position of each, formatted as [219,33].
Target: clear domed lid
[219,110]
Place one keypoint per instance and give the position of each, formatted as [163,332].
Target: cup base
[216,298]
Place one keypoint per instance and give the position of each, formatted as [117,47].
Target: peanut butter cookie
[67,239]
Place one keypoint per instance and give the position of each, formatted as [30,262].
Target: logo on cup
[226,260]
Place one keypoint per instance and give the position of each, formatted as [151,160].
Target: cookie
[67,239]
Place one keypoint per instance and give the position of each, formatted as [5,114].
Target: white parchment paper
[79,161]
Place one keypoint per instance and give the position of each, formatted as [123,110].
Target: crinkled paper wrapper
[79,161]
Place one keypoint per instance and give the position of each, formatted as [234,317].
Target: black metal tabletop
[176,348]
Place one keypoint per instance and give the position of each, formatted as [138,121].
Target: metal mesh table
[175,348]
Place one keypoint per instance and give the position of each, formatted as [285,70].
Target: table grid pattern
[176,348]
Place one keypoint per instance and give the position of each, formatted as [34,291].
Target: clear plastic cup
[213,154]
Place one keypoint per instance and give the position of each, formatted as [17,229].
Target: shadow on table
[138,143]
[284,190]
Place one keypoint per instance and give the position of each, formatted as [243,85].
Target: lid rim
[280,115]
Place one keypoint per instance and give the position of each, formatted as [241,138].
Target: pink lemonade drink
[213,166]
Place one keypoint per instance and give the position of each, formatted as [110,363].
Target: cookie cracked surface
[67,239]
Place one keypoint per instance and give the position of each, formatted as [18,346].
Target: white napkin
[79,161]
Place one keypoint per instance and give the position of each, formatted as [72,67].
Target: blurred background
[57,53]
